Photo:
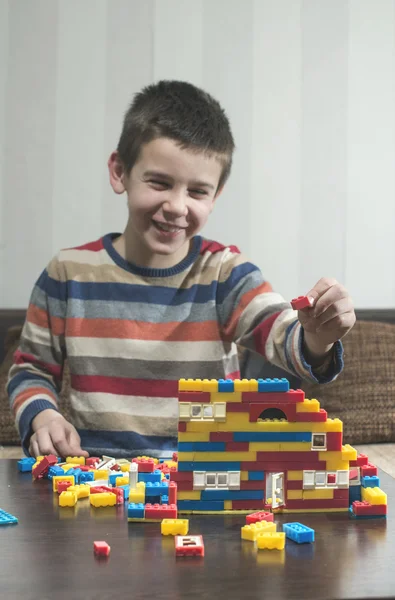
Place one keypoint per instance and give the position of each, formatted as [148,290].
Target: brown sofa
[363,397]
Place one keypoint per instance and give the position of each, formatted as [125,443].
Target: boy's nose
[176,204]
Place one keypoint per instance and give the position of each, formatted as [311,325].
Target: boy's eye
[199,192]
[161,184]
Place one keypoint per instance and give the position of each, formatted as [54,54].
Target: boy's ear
[117,173]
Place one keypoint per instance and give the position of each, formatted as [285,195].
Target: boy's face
[171,193]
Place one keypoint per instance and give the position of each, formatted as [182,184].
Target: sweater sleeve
[35,378]
[252,315]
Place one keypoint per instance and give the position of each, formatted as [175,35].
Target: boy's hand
[54,435]
[329,319]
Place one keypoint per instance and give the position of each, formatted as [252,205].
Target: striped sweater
[130,333]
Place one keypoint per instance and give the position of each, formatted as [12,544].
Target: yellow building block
[295,475]
[190,385]
[39,458]
[170,463]
[271,541]
[68,499]
[294,494]
[103,499]
[251,532]
[155,460]
[121,481]
[57,478]
[227,504]
[205,426]
[189,495]
[337,465]
[374,495]
[82,490]
[265,446]
[102,474]
[318,494]
[68,466]
[246,385]
[210,385]
[226,397]
[243,475]
[137,494]
[76,460]
[308,406]
[174,527]
[309,510]
[191,436]
[216,456]
[295,446]
[240,422]
[124,468]
[349,453]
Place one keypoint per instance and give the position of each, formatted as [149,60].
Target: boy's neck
[126,248]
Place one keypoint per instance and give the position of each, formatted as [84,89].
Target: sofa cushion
[8,432]
[363,396]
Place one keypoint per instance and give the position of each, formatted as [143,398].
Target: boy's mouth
[166,228]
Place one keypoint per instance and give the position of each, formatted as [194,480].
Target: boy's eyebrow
[169,178]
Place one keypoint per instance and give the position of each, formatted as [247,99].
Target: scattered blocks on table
[56,479]
[174,527]
[251,532]
[76,460]
[7,519]
[160,511]
[271,541]
[102,499]
[191,545]
[25,465]
[301,534]
[68,499]
[101,548]
[370,481]
[41,467]
[135,511]
[259,516]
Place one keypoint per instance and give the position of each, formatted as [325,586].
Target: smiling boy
[132,313]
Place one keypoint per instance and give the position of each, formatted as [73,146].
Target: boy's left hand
[329,319]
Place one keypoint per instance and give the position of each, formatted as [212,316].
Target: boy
[133,313]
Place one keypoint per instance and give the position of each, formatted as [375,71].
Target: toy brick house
[256,445]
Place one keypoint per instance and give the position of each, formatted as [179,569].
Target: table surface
[49,554]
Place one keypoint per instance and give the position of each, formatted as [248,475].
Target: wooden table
[49,554]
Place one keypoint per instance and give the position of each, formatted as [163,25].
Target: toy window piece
[234,480]
[184,411]
[220,411]
[222,480]
[343,478]
[331,479]
[208,412]
[196,411]
[354,476]
[211,479]
[308,480]
[199,480]
[319,441]
[320,478]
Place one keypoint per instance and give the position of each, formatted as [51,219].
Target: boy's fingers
[58,435]
[44,442]
[344,322]
[75,444]
[336,309]
[320,288]
[33,448]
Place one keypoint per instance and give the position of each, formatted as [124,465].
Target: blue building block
[87,476]
[126,491]
[232,495]
[7,519]
[370,481]
[226,385]
[201,446]
[199,505]
[209,466]
[156,490]
[135,511]
[54,471]
[154,477]
[301,534]
[256,475]
[272,436]
[273,385]
[25,465]
[354,493]
[165,500]
[113,478]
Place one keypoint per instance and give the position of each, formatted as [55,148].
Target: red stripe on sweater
[125,386]
[262,332]
[214,247]
[21,358]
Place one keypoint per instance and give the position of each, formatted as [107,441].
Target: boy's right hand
[54,435]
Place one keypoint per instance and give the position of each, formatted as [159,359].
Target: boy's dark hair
[182,112]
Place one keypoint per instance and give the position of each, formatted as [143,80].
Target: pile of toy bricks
[366,498]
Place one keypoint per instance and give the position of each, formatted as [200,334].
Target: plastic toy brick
[156,489]
[189,545]
[102,499]
[251,532]
[82,490]
[362,459]
[88,476]
[137,495]
[273,385]
[100,475]
[364,508]
[144,465]
[122,481]
[68,499]
[308,406]
[76,460]
[160,511]
[373,495]
[174,526]
[40,469]
[192,505]
[301,302]
[301,534]
[101,548]
[53,471]
[63,485]
[271,541]
[368,470]
[225,385]
[92,461]
[154,477]
[272,436]
[172,487]
[135,511]
[57,478]
[259,516]
[112,478]
[210,466]
[7,519]
[273,398]
[126,491]
[372,481]
[225,494]
[25,465]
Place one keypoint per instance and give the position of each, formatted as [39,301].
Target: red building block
[145,465]
[184,486]
[294,485]
[361,509]
[368,470]
[259,516]
[174,457]
[310,456]
[237,447]
[222,436]
[341,494]
[237,407]
[311,417]
[273,398]
[191,545]
[334,440]
[362,459]
[331,478]
[160,511]
[101,548]
[252,485]
[172,492]
[92,461]
[115,468]
[43,466]
[63,485]
[120,494]
[301,302]
[283,466]
[200,397]
[182,426]
[180,475]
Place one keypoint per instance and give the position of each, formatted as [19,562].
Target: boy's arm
[254,316]
[35,377]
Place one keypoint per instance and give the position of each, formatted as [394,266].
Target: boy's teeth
[167,227]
